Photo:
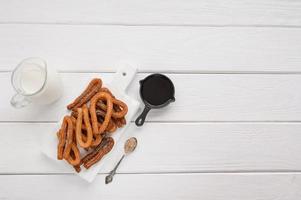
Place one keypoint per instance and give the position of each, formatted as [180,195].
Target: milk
[51,91]
[35,83]
[32,78]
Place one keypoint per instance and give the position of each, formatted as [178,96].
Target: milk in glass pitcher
[35,82]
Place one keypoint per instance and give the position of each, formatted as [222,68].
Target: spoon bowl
[130,145]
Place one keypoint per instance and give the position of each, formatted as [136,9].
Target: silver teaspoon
[129,146]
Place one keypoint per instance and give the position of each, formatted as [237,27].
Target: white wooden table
[234,132]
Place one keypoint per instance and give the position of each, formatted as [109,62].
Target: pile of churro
[95,115]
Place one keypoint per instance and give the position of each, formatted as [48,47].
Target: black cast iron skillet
[156,91]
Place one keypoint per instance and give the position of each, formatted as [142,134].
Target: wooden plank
[199,97]
[169,147]
[146,12]
[156,49]
[155,186]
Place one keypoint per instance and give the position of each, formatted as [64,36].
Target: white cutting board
[121,80]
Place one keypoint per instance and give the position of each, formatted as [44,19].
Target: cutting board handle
[124,76]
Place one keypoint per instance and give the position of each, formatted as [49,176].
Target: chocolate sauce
[157,90]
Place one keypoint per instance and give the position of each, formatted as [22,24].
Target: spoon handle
[109,178]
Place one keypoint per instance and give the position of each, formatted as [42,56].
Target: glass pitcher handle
[19,101]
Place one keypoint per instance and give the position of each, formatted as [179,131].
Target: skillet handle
[140,120]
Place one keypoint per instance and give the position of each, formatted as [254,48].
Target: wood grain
[155,49]
[199,97]
[155,186]
[169,147]
[150,12]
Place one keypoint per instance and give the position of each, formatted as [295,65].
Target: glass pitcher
[34,82]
